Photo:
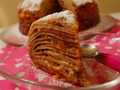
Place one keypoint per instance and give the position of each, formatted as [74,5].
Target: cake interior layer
[44,41]
[58,53]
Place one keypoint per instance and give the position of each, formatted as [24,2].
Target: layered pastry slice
[31,10]
[86,11]
[54,47]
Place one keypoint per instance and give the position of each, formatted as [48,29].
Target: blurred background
[8,9]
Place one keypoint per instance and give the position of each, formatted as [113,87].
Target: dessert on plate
[54,47]
[86,11]
[31,10]
[53,29]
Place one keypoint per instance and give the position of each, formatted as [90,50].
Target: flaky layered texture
[31,10]
[54,48]
[86,12]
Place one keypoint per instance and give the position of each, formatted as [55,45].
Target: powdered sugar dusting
[68,16]
[81,2]
[31,4]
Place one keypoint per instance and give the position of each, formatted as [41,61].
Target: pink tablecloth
[16,60]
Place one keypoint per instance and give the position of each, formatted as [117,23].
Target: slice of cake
[31,10]
[86,11]
[54,47]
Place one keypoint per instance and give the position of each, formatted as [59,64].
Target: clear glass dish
[111,85]
[18,68]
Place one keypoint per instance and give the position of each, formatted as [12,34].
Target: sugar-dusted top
[67,15]
[31,4]
[82,2]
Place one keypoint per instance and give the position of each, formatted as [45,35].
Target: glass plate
[16,66]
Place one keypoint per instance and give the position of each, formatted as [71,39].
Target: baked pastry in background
[31,10]
[86,11]
[54,47]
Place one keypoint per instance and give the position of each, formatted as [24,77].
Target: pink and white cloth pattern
[15,61]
